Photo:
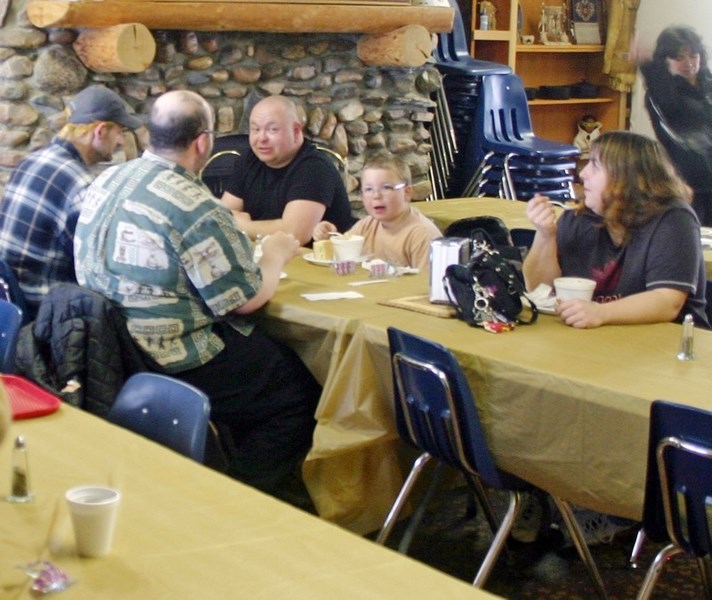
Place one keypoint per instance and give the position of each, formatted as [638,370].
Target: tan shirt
[405,242]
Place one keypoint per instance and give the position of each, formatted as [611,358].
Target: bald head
[177,118]
[275,131]
[278,106]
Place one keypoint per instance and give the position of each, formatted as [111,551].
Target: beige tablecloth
[444,212]
[565,409]
[183,530]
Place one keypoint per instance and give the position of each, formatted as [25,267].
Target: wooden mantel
[332,16]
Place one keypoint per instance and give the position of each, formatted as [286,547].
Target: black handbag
[487,292]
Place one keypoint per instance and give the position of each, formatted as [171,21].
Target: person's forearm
[267,227]
[654,306]
[541,264]
[271,270]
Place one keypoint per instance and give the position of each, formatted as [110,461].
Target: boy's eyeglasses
[386,188]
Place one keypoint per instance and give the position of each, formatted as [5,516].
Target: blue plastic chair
[11,291]
[505,122]
[436,414]
[453,55]
[165,410]
[10,323]
[678,490]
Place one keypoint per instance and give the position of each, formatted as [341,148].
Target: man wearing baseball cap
[42,200]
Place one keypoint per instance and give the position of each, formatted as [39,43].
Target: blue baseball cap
[98,103]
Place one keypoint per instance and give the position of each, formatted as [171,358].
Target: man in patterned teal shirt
[153,239]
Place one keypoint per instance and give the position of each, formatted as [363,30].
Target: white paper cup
[93,510]
[350,248]
[570,288]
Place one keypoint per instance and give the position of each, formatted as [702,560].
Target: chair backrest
[685,471]
[166,410]
[668,419]
[503,109]
[434,406]
[11,291]
[453,44]
[223,162]
[10,323]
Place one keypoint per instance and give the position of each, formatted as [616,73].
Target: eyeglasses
[209,131]
[386,188]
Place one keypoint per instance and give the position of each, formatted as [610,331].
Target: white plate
[397,271]
[543,299]
[282,275]
[309,257]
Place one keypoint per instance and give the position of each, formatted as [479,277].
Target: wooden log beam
[408,46]
[125,48]
[436,17]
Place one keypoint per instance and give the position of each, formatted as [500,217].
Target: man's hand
[279,247]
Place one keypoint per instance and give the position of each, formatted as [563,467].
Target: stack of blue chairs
[506,158]
[455,113]
[483,143]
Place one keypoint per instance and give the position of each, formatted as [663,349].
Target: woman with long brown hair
[635,235]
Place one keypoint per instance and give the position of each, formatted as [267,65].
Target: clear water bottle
[484,21]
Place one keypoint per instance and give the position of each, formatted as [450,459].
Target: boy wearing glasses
[394,230]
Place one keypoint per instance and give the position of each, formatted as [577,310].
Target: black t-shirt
[664,253]
[310,176]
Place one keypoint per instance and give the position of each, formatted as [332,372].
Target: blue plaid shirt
[38,215]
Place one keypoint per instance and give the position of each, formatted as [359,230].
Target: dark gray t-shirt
[664,253]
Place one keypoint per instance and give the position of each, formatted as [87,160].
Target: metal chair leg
[392,517]
[420,510]
[705,565]
[637,547]
[500,540]
[580,543]
[655,569]
[483,497]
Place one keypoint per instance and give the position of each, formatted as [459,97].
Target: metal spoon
[562,204]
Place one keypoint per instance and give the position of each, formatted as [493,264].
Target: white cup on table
[570,288]
[347,248]
[93,510]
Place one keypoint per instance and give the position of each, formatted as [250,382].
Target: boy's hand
[322,230]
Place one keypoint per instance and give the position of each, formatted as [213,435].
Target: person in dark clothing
[679,101]
[284,183]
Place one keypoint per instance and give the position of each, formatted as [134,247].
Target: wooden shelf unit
[539,64]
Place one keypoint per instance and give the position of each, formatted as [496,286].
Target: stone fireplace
[349,106]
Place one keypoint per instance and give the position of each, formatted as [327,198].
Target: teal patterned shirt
[153,239]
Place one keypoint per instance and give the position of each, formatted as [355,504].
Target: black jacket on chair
[79,336]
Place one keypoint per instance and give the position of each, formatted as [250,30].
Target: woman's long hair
[675,38]
[641,181]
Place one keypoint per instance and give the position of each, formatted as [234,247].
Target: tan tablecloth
[444,212]
[565,409]
[183,530]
